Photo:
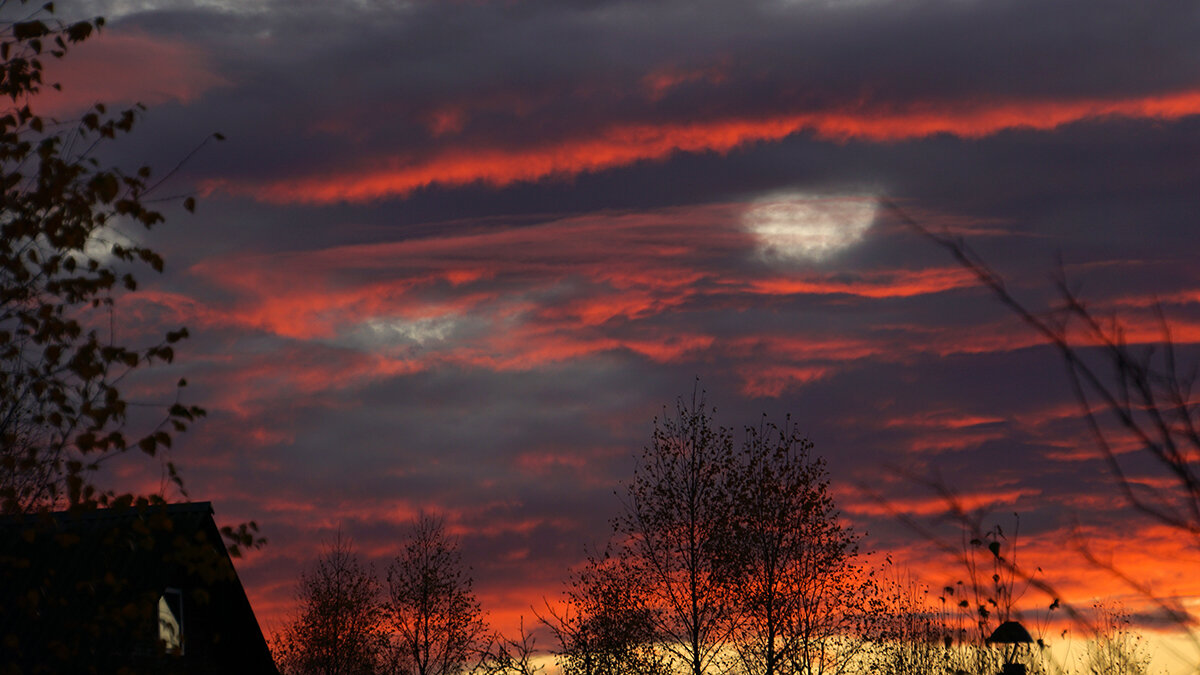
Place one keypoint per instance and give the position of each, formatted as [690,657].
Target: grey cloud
[327,83]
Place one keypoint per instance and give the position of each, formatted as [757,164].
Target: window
[170,620]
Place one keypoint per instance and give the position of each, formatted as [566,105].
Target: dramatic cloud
[624,145]
[458,256]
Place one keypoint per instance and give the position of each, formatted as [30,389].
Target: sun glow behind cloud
[380,332]
[798,227]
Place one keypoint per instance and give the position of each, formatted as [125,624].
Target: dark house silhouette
[146,589]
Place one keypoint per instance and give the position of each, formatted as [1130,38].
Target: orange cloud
[878,284]
[662,80]
[624,144]
[943,419]
[447,120]
[592,286]
[771,381]
[804,348]
[936,505]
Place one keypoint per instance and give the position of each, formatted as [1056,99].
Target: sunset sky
[457,256]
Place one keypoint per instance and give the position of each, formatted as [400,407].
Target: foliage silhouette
[1115,649]
[1146,395]
[68,252]
[910,636]
[800,579]
[437,623]
[511,655]
[605,627]
[723,560]
[63,262]
[1129,396]
[676,536]
[340,625]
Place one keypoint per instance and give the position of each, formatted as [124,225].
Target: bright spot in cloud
[102,241]
[381,333]
[419,331]
[798,227]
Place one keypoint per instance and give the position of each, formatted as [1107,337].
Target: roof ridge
[117,513]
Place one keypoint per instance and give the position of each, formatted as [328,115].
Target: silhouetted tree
[800,586]
[675,536]
[511,655]
[605,627]
[437,622]
[340,626]
[62,264]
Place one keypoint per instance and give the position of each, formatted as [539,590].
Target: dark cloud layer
[459,255]
[314,90]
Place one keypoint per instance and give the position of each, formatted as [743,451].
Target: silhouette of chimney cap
[1010,632]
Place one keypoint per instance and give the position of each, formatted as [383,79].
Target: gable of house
[147,589]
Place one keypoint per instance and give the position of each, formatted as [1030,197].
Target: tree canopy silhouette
[62,268]
[676,535]
[340,625]
[723,560]
[801,586]
[437,622]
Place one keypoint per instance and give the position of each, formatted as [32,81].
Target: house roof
[82,588]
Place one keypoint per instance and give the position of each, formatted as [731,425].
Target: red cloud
[624,144]
[773,380]
[518,298]
[661,81]
[877,284]
[933,505]
[122,68]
